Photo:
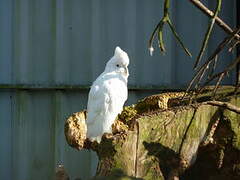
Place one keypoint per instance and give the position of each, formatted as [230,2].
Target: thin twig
[160,36]
[213,67]
[208,33]
[226,105]
[150,42]
[225,42]
[159,31]
[225,71]
[178,38]
[201,75]
[233,46]
[209,13]
[217,84]
[201,71]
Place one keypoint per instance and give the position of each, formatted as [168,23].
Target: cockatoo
[107,96]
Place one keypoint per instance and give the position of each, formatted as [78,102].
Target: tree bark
[166,144]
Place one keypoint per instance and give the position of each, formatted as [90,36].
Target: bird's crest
[119,53]
[118,50]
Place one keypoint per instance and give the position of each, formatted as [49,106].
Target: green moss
[116,174]
[219,159]
[152,174]
[172,135]
[106,148]
[128,113]
[141,106]
[165,139]
[234,119]
[222,92]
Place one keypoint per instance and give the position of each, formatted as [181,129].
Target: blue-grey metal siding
[45,43]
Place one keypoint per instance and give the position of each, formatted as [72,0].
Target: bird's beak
[126,71]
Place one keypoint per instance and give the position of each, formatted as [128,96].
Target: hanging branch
[178,38]
[208,33]
[208,68]
[159,30]
[160,36]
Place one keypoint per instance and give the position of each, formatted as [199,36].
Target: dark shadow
[106,148]
[186,131]
[219,160]
[215,161]
[116,174]
[213,120]
[167,158]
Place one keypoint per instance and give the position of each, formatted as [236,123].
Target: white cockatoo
[107,96]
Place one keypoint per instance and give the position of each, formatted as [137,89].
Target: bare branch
[209,13]
[217,84]
[225,71]
[208,33]
[160,36]
[201,71]
[213,67]
[233,46]
[226,105]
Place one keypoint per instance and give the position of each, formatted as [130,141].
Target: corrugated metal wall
[44,43]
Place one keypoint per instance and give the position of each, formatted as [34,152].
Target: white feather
[107,96]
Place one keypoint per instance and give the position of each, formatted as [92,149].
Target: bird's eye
[118,65]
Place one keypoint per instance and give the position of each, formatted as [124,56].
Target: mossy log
[196,141]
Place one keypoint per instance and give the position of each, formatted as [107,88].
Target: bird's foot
[108,135]
[98,139]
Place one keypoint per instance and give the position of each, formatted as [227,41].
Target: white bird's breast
[118,93]
[107,95]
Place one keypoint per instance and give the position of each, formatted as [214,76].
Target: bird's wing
[98,102]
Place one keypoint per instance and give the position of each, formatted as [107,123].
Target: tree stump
[149,142]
